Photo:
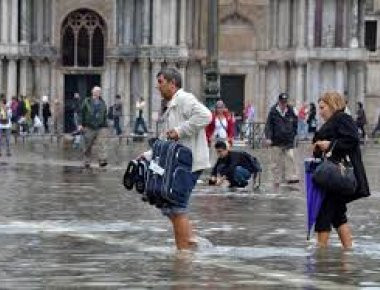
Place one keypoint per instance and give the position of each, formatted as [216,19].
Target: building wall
[271,42]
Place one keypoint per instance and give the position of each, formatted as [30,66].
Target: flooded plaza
[65,227]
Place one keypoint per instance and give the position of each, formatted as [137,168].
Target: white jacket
[189,117]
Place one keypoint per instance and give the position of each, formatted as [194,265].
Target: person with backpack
[233,166]
[5,125]
[92,122]
[184,121]
[46,113]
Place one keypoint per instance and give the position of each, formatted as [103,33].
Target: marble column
[156,98]
[283,76]
[354,35]
[301,23]
[182,69]
[1,76]
[126,96]
[53,77]
[146,25]
[4,22]
[173,23]
[262,106]
[316,78]
[37,77]
[114,30]
[14,22]
[39,19]
[128,22]
[284,23]
[12,79]
[145,78]
[25,21]
[24,77]
[113,82]
[275,24]
[300,97]
[361,82]
[182,23]
[311,23]
[339,76]
[157,27]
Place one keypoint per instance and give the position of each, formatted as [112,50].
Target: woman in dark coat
[339,133]
[312,119]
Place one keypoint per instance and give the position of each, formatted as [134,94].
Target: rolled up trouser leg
[102,143]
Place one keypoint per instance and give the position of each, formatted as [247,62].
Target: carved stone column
[339,71]
[12,79]
[4,22]
[145,77]
[262,106]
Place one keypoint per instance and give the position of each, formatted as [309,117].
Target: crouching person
[234,167]
[184,120]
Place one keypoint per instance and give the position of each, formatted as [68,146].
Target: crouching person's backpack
[169,176]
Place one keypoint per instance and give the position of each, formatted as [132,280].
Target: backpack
[4,118]
[110,113]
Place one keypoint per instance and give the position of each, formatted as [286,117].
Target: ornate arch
[83,36]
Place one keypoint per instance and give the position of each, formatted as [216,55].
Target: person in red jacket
[221,127]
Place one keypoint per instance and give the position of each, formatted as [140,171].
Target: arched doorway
[83,51]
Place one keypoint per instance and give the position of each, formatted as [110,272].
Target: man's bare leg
[323,239]
[182,231]
[345,236]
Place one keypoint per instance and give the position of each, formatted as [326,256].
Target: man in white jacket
[184,120]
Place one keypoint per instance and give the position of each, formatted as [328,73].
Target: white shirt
[220,131]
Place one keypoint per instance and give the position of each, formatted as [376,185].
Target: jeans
[170,210]
[140,127]
[302,128]
[241,176]
[7,133]
[116,124]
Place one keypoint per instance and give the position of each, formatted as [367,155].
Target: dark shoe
[9,154]
[140,177]
[86,164]
[130,175]
[292,181]
[103,163]
[0,154]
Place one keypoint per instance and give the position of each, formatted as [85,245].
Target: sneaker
[130,175]
[140,177]
[86,164]
[9,154]
[292,181]
[0,154]
[103,163]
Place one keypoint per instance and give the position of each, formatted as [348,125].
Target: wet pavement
[65,227]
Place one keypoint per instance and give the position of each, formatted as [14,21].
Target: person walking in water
[92,121]
[280,132]
[184,120]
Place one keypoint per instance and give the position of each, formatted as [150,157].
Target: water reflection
[61,225]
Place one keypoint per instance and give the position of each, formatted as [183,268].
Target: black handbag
[335,177]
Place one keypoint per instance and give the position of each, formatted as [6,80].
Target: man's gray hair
[171,74]
[96,88]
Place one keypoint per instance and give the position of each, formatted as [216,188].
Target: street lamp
[212,71]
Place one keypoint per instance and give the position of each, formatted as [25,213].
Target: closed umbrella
[314,196]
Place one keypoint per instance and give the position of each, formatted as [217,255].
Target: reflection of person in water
[140,126]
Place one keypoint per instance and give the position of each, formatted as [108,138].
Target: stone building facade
[57,47]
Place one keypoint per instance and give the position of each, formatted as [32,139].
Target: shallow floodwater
[61,226]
